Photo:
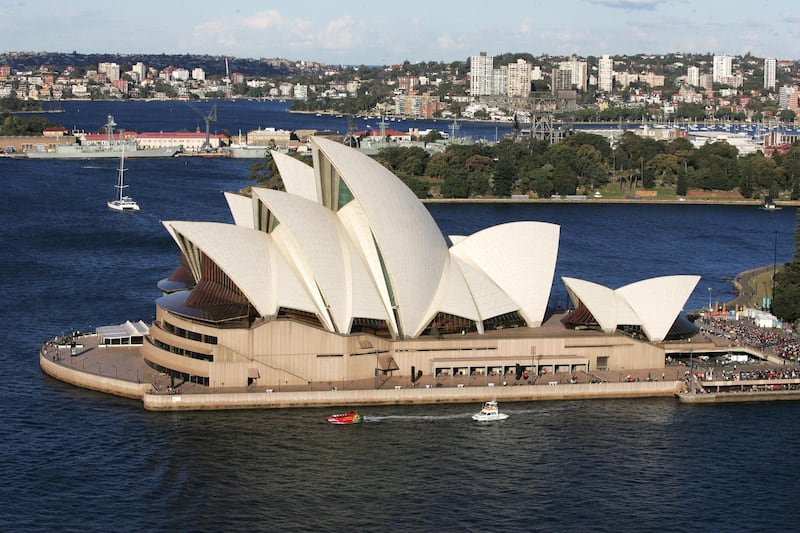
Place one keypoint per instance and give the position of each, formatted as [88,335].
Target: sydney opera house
[346,276]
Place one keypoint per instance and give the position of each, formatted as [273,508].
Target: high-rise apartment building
[500,80]
[788,97]
[480,74]
[140,70]
[579,70]
[723,68]
[519,78]
[770,65]
[693,76]
[111,70]
[605,74]
[562,79]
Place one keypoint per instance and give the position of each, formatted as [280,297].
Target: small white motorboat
[489,412]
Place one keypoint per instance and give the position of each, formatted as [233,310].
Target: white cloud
[339,33]
[648,5]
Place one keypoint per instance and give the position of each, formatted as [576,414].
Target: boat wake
[393,418]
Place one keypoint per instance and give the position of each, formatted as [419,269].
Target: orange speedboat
[344,419]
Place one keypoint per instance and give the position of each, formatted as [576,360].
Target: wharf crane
[209,118]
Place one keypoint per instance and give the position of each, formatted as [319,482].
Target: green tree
[542,181]
[431,136]
[664,167]
[719,167]
[590,167]
[682,187]
[13,125]
[504,173]
[787,115]
[409,160]
[762,171]
[439,165]
[456,186]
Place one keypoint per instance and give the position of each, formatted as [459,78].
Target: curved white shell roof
[298,177]
[249,258]
[520,258]
[653,304]
[318,248]
[412,248]
[658,301]
[241,208]
[348,240]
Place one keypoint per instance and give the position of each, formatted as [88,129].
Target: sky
[377,32]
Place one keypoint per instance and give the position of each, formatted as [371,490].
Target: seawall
[353,398]
[87,380]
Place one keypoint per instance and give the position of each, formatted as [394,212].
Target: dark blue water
[240,116]
[75,460]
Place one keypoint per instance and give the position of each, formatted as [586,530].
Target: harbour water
[75,460]
[240,116]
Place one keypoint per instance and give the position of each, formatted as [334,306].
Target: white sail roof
[349,240]
[241,208]
[658,301]
[411,247]
[653,304]
[520,258]
[321,254]
[298,177]
[249,258]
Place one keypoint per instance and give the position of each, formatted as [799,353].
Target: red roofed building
[55,131]
[190,141]
[392,134]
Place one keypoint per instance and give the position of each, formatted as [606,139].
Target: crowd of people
[742,375]
[782,343]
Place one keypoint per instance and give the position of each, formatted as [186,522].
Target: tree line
[585,162]
[582,164]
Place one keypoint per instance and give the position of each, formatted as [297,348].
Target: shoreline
[153,399]
[634,201]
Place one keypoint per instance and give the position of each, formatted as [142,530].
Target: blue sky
[379,32]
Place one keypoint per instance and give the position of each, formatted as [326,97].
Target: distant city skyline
[379,33]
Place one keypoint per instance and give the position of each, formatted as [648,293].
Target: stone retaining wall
[80,378]
[353,398]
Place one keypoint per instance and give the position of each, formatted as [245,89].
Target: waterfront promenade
[121,371]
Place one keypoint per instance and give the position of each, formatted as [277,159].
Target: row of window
[188,334]
[134,341]
[200,380]
[182,351]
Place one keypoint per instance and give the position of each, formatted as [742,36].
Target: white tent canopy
[129,333]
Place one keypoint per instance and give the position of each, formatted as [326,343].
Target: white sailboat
[122,202]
